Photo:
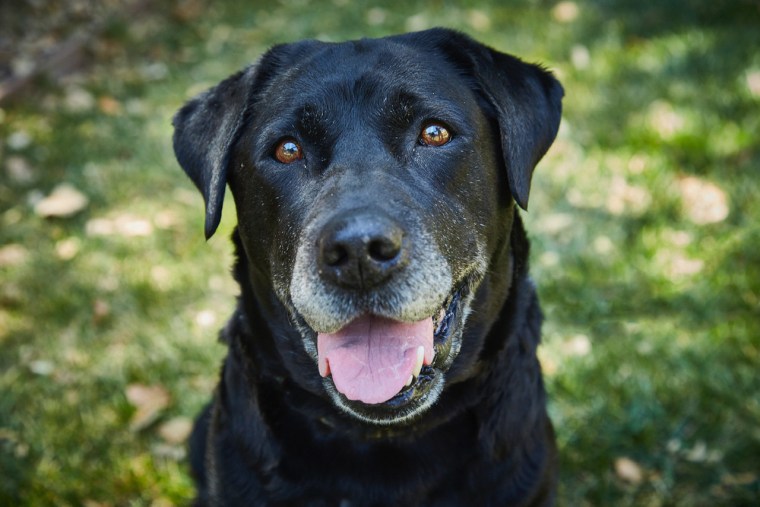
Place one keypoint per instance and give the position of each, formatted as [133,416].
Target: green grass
[652,334]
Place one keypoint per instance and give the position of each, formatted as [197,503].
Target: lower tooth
[409,382]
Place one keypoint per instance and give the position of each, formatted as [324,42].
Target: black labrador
[383,350]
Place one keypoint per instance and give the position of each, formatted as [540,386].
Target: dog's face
[374,183]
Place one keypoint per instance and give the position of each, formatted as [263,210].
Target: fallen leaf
[741,479]
[603,245]
[23,66]
[628,470]
[130,226]
[622,197]
[109,106]
[161,277]
[579,345]
[703,202]
[63,201]
[13,255]
[135,107]
[549,259]
[417,22]
[78,99]
[19,170]
[166,219]
[580,56]
[19,140]
[479,20]
[376,16]
[665,120]
[168,451]
[21,450]
[698,453]
[149,401]
[189,10]
[123,225]
[68,248]
[753,82]
[679,266]
[41,367]
[101,310]
[565,12]
[99,227]
[205,318]
[555,223]
[176,430]
[154,71]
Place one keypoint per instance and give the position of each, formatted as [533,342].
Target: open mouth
[384,371]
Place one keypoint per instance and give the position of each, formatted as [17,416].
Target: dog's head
[374,182]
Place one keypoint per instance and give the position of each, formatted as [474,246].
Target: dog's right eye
[288,151]
[434,134]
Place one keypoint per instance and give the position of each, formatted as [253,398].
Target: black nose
[361,250]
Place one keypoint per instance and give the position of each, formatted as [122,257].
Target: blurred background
[644,217]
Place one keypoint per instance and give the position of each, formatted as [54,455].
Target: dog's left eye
[434,134]
[288,151]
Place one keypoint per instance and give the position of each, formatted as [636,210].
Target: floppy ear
[205,130]
[526,100]
[528,104]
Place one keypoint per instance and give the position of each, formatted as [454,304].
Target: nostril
[336,255]
[384,249]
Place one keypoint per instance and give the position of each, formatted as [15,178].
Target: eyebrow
[399,108]
[311,119]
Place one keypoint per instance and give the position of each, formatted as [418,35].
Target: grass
[644,219]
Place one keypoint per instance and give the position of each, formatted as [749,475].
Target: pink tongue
[372,358]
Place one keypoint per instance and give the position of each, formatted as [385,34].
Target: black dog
[383,351]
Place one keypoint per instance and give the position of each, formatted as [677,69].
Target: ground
[644,217]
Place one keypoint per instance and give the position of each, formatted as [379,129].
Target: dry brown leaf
[566,12]
[149,401]
[101,310]
[623,197]
[125,224]
[68,248]
[78,99]
[189,10]
[19,140]
[41,367]
[109,106]
[741,479]
[703,202]
[578,345]
[176,430]
[628,470]
[753,83]
[13,255]
[479,20]
[63,201]
[19,170]
[664,119]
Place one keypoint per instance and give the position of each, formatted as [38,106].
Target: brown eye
[288,151]
[434,135]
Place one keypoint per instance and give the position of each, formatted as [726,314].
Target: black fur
[272,435]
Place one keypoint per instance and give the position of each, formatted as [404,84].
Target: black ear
[526,99]
[205,130]
[528,103]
